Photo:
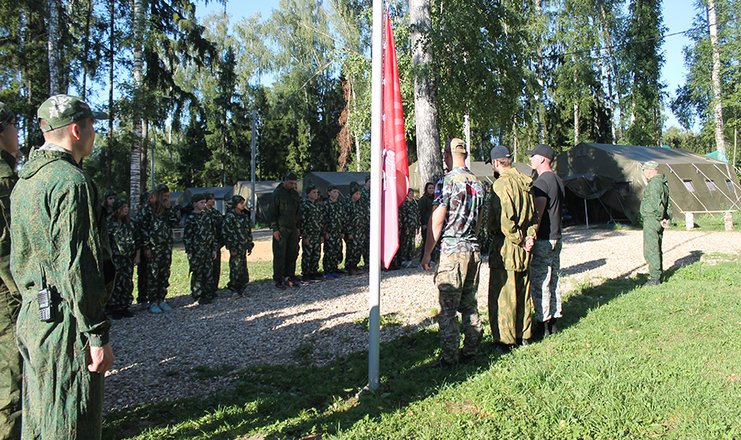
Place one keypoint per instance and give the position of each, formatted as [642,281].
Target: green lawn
[631,362]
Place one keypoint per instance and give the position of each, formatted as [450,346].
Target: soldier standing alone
[237,234]
[656,212]
[286,223]
[200,246]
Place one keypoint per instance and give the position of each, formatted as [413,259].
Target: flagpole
[374,295]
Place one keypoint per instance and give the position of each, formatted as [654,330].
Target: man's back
[512,218]
[463,196]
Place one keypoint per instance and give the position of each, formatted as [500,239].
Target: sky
[678,16]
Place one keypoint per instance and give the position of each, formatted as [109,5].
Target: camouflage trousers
[142,273]
[158,279]
[10,362]
[332,253]
[407,240]
[510,305]
[457,279]
[217,270]
[202,276]
[123,286]
[285,254]
[653,235]
[365,245]
[239,275]
[61,399]
[354,252]
[311,253]
[545,270]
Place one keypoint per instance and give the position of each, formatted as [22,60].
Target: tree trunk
[540,72]
[55,83]
[135,179]
[717,97]
[425,107]
[613,81]
[111,73]
[576,123]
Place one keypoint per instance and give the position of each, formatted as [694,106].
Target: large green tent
[605,182]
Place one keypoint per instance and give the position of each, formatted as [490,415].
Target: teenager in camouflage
[56,243]
[125,256]
[146,201]
[408,226]
[312,222]
[237,234]
[512,227]
[355,213]
[656,211]
[10,299]
[200,246]
[334,227]
[363,236]
[217,221]
[455,223]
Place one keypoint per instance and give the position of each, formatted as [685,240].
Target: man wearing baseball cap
[656,211]
[548,191]
[57,262]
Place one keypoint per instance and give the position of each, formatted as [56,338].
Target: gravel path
[181,353]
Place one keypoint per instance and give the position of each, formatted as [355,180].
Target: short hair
[506,161]
[58,133]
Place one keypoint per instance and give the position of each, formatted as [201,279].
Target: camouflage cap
[457,146]
[62,110]
[6,116]
[650,165]
[310,188]
[236,200]
[198,197]
[110,193]
[331,188]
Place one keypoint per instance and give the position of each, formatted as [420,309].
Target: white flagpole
[374,296]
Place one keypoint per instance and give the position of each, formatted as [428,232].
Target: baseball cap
[499,152]
[5,116]
[62,110]
[650,165]
[542,150]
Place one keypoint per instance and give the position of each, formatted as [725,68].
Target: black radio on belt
[45,300]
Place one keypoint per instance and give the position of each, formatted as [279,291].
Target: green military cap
[310,187]
[650,165]
[6,116]
[62,110]
[198,197]
[109,193]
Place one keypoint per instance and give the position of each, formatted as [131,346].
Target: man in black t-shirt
[548,190]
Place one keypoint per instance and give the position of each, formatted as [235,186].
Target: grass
[630,362]
[703,222]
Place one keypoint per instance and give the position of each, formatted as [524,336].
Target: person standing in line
[656,211]
[125,257]
[312,217]
[11,365]
[425,212]
[334,229]
[157,222]
[286,224]
[217,220]
[512,228]
[363,234]
[200,247]
[545,267]
[355,211]
[146,201]
[408,227]
[237,234]
[455,223]
[57,261]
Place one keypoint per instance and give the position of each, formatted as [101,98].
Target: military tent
[263,195]
[605,183]
[322,180]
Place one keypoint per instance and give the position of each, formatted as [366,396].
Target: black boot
[539,330]
[551,326]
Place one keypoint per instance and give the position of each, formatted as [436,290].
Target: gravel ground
[195,351]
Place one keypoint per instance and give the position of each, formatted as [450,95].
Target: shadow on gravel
[693,257]
[583,267]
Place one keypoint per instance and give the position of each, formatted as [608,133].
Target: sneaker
[652,282]
[165,307]
[154,308]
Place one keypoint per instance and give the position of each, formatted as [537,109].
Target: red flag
[395,165]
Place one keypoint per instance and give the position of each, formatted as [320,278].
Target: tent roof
[644,154]
[261,186]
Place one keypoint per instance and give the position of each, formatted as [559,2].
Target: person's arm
[434,231]
[275,213]
[508,217]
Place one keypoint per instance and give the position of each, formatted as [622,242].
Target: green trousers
[510,306]
[10,359]
[653,234]
[285,254]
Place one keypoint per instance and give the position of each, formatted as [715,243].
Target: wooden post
[689,221]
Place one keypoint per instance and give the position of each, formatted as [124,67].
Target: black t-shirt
[550,186]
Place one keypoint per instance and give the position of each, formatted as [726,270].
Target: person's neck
[544,169]
[66,147]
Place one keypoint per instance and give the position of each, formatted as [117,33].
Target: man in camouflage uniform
[354,227]
[512,228]
[455,222]
[237,235]
[363,236]
[334,227]
[656,211]
[217,220]
[125,256]
[408,226]
[146,201]
[56,244]
[286,224]
[10,298]
[200,246]
[312,221]
[156,225]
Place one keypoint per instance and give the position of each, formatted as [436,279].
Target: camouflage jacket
[198,236]
[655,205]
[409,215]
[237,231]
[354,214]
[286,207]
[156,230]
[217,220]
[312,219]
[54,210]
[512,217]
[122,238]
[334,216]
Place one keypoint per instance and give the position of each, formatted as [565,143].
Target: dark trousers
[285,254]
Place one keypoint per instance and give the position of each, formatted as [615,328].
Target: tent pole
[253,163]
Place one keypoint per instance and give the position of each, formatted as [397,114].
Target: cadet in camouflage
[656,211]
[364,236]
[147,199]
[10,298]
[55,205]
[408,226]
[355,212]
[334,221]
[125,256]
[217,220]
[200,246]
[237,235]
[312,221]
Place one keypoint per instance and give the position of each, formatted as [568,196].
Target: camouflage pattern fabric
[510,306]
[54,208]
[483,237]
[123,246]
[200,244]
[544,279]
[157,231]
[286,218]
[217,220]
[462,195]
[655,207]
[142,269]
[408,227]
[457,279]
[353,233]
[364,237]
[10,303]
[237,236]
[312,222]
[334,218]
